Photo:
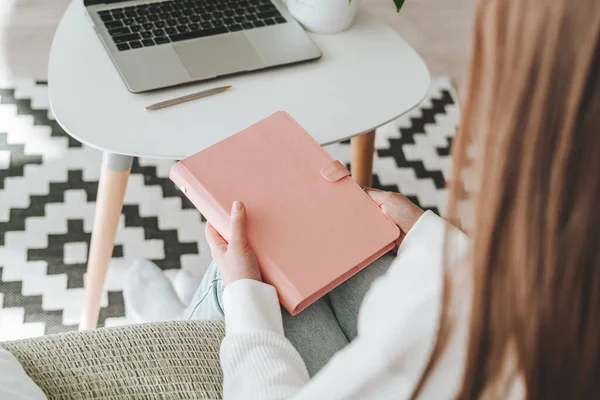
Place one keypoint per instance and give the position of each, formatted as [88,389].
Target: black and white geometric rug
[48,184]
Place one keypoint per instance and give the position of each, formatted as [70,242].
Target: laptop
[156,44]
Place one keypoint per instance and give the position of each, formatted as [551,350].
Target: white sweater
[396,331]
[397,328]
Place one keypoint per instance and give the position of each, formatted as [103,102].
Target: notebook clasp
[335,171]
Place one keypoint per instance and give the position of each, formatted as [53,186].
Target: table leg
[109,203]
[361,164]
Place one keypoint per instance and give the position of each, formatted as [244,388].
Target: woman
[513,314]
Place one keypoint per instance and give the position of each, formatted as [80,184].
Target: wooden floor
[438,29]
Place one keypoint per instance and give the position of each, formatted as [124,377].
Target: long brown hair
[532,114]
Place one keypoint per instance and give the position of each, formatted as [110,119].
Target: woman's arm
[257,360]
[260,363]
[396,333]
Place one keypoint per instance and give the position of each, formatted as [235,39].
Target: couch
[170,360]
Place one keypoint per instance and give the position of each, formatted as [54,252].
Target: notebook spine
[208,206]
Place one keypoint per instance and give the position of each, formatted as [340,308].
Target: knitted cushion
[170,360]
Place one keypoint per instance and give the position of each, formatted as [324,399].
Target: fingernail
[237,206]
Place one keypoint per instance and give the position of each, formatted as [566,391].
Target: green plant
[398,3]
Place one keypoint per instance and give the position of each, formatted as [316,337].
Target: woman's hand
[236,260]
[400,209]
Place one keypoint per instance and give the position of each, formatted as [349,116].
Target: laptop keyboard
[173,21]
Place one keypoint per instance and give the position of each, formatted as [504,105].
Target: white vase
[324,16]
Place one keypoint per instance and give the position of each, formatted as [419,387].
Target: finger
[215,240]
[238,225]
[377,195]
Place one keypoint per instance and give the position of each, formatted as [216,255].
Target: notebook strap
[334,171]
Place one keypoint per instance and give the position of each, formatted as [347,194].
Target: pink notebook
[309,224]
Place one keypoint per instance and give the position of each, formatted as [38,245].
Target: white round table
[367,76]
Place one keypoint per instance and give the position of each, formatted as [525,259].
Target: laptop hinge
[88,3]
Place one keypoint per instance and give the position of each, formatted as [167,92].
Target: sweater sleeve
[258,361]
[14,382]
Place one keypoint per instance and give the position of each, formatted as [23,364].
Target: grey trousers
[318,332]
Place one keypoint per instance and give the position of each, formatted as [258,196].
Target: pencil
[189,97]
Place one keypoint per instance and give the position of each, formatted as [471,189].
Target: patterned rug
[48,184]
